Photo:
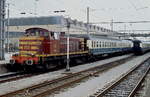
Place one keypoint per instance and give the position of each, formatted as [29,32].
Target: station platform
[7,58]
[3,62]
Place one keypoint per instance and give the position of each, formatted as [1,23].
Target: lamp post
[88,20]
[68,38]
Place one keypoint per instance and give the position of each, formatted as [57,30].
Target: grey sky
[100,10]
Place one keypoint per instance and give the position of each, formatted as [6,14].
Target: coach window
[110,44]
[97,44]
[103,44]
[94,44]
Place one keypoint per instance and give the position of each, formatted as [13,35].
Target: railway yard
[110,77]
[74,48]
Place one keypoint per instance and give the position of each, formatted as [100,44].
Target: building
[17,26]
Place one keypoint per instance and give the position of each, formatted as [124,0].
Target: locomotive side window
[92,43]
[46,34]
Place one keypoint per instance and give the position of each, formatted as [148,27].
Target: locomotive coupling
[29,62]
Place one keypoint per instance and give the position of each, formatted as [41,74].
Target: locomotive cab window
[36,32]
[52,35]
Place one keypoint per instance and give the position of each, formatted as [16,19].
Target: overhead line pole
[68,38]
[2,29]
[68,41]
[111,24]
[8,28]
[88,20]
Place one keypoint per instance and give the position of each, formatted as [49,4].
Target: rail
[49,87]
[127,84]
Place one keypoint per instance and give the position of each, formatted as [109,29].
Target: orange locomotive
[44,49]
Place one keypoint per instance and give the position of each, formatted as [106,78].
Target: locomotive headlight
[12,61]
[29,62]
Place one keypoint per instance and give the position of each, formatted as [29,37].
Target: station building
[17,26]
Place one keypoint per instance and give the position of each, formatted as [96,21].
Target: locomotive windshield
[37,32]
[42,32]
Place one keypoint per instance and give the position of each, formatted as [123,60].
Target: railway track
[127,85]
[15,76]
[8,74]
[49,87]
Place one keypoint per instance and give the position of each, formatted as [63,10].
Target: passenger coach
[108,46]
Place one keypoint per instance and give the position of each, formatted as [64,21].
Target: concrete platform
[147,93]
[7,57]
[2,62]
